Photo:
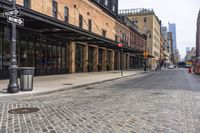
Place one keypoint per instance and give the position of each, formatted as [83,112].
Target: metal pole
[122,61]
[13,85]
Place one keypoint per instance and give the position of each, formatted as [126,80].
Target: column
[112,59]
[72,55]
[96,55]
[85,58]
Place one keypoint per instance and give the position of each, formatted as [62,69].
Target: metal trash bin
[26,78]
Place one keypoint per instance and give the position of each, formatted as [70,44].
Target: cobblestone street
[165,101]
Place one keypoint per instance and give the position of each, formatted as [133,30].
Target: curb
[67,88]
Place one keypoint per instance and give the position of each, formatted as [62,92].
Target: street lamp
[13,85]
[145,54]
[120,45]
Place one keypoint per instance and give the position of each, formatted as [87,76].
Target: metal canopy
[47,25]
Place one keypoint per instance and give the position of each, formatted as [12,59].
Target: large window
[89,24]
[80,21]
[55,9]
[27,3]
[66,14]
[1,45]
[106,2]
[104,33]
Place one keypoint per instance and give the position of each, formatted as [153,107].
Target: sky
[182,12]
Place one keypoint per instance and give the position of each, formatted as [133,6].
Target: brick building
[149,24]
[198,37]
[65,36]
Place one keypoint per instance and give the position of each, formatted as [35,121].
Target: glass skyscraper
[172,28]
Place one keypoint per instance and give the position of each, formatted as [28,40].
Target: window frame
[80,20]
[55,9]
[90,25]
[27,3]
[66,14]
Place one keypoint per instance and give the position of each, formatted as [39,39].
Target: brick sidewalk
[49,84]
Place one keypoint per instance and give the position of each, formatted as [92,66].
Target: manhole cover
[23,110]
[89,88]
[157,93]
[67,84]
[114,72]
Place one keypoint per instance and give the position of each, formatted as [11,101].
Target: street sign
[120,45]
[17,20]
[12,12]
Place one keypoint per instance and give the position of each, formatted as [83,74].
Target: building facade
[172,29]
[149,24]
[170,44]
[166,46]
[66,36]
[198,36]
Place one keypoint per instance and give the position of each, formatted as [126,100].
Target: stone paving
[158,102]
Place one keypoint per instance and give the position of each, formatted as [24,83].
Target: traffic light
[145,54]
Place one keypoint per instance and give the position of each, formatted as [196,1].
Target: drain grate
[89,88]
[23,110]
[68,84]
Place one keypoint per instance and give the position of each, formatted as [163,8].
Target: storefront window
[31,51]
[1,56]
[6,48]
[37,52]
[54,58]
[49,56]
[23,50]
[79,57]
[43,56]
[63,58]
[59,56]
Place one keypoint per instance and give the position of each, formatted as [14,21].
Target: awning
[47,25]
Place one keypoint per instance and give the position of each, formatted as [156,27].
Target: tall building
[198,36]
[149,24]
[187,49]
[172,29]
[166,46]
[170,45]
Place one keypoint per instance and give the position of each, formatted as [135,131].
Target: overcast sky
[182,12]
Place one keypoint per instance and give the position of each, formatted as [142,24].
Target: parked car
[171,67]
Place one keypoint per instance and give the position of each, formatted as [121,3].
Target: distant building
[170,45]
[198,36]
[187,49]
[176,56]
[172,29]
[166,46]
[190,54]
[149,24]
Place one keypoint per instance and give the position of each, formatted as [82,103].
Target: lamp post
[145,54]
[13,85]
[120,45]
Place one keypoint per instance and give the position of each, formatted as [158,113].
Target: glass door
[79,57]
[1,55]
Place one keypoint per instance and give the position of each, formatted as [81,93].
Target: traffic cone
[189,70]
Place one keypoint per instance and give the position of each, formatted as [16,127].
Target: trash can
[26,78]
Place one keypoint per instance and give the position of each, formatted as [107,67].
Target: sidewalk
[53,83]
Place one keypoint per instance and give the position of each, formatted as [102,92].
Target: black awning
[47,25]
